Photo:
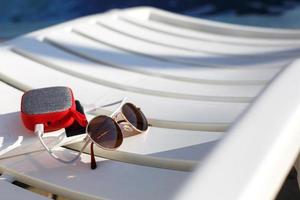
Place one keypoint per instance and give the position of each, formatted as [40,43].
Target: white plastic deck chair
[189,107]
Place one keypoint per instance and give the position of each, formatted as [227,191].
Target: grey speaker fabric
[47,100]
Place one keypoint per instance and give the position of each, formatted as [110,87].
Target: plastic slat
[127,80]
[12,192]
[88,92]
[224,28]
[212,27]
[215,48]
[142,16]
[100,33]
[122,59]
[111,180]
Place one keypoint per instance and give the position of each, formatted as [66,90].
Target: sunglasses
[108,132]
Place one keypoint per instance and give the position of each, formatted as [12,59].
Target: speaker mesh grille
[47,100]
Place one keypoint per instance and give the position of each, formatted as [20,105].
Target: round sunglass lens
[105,132]
[135,116]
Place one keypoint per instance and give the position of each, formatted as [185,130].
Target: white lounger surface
[111,180]
[168,148]
[102,34]
[38,166]
[12,192]
[206,37]
[153,165]
[10,98]
[224,28]
[88,93]
[162,143]
[214,31]
[103,53]
[131,81]
[261,147]
[149,143]
[135,29]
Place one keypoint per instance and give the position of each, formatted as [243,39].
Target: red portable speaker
[54,107]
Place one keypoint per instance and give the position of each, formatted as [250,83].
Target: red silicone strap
[80,118]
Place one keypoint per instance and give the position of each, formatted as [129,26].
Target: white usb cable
[39,131]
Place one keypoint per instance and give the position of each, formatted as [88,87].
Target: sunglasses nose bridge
[119,117]
[128,129]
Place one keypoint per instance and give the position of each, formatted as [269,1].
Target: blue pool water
[20,16]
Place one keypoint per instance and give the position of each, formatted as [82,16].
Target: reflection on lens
[105,132]
[135,116]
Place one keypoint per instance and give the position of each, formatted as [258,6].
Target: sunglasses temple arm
[119,108]
[39,131]
[92,107]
